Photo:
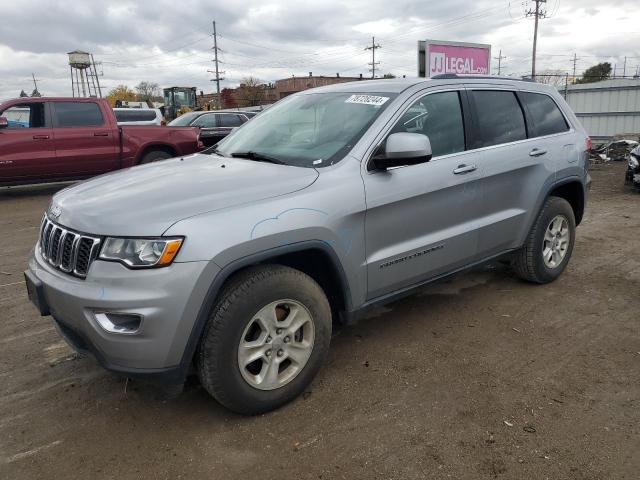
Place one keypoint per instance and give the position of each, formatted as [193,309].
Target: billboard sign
[437,57]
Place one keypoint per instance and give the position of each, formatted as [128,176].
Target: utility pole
[217,71]
[624,69]
[575,62]
[499,58]
[35,93]
[374,46]
[537,14]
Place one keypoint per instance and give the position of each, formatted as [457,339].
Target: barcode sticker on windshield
[367,99]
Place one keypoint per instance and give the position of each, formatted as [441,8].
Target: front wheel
[549,245]
[265,340]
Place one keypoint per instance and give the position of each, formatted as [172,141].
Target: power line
[374,46]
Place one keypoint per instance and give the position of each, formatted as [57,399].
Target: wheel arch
[313,257]
[160,147]
[572,191]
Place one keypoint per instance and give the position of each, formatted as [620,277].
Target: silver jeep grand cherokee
[234,263]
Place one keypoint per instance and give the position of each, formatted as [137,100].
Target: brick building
[287,86]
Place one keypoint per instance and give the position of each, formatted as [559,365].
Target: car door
[515,167]
[86,143]
[421,219]
[27,150]
[228,121]
[208,124]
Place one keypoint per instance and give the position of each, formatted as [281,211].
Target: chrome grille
[68,251]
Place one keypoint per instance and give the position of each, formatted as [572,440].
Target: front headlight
[141,252]
[633,161]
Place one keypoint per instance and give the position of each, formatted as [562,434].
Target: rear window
[77,114]
[545,116]
[500,117]
[135,115]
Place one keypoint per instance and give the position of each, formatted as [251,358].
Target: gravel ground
[480,376]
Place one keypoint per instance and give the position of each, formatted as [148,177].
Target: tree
[147,91]
[555,78]
[250,92]
[228,98]
[597,73]
[23,94]
[121,92]
[388,75]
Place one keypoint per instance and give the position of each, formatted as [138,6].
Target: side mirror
[4,123]
[404,148]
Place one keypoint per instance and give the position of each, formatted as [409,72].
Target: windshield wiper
[211,150]
[259,157]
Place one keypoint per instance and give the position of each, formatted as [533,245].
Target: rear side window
[438,116]
[500,118]
[205,121]
[229,120]
[135,115]
[545,116]
[77,114]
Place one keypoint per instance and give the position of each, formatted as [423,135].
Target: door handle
[41,137]
[536,152]
[100,134]
[464,169]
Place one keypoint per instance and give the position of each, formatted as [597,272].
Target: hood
[147,199]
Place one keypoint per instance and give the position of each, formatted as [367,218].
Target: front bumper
[168,301]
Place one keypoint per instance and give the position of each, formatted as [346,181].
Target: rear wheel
[549,244]
[265,340]
[154,156]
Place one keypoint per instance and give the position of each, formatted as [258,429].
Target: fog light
[123,323]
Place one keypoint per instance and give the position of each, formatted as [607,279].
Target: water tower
[84,78]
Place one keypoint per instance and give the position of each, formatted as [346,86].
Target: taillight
[588,144]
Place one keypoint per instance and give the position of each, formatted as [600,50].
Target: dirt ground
[481,376]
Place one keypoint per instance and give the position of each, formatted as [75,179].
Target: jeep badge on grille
[55,210]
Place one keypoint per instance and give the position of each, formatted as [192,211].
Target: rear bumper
[167,300]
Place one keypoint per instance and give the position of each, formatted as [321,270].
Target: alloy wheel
[276,344]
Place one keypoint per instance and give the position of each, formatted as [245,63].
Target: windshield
[309,130]
[183,120]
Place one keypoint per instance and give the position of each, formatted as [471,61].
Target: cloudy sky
[169,42]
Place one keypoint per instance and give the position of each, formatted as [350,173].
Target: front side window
[309,129]
[229,120]
[78,114]
[438,116]
[546,117]
[205,121]
[27,115]
[500,118]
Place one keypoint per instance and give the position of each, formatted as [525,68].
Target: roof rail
[450,76]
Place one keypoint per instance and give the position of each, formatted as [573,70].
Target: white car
[138,116]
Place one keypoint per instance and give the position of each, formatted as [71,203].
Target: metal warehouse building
[607,108]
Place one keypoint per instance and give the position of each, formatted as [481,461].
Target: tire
[529,262]
[234,323]
[154,156]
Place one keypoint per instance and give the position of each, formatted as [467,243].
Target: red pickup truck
[55,139]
